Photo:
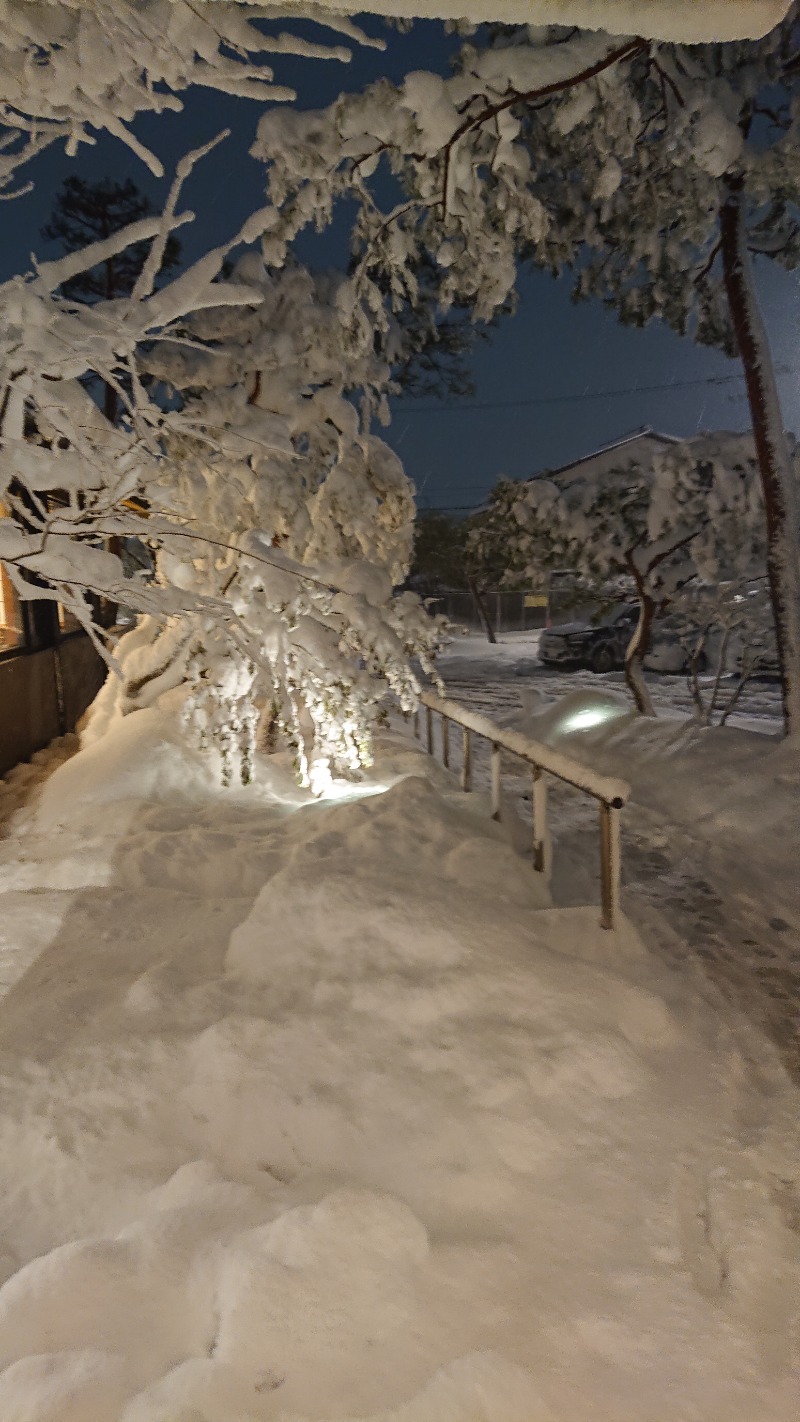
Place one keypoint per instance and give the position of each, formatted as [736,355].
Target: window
[10,614]
[67,621]
[10,609]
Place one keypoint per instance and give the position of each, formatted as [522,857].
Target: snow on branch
[275,524]
[684,21]
[457,147]
[52,275]
[648,171]
[73,66]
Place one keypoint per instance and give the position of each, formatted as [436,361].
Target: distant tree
[675,170]
[84,213]
[475,553]
[690,516]
[438,558]
[725,626]
[496,551]
[428,349]
[434,346]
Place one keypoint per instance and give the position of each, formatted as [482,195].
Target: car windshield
[619,614]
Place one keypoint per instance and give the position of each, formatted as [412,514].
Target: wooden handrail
[611,792]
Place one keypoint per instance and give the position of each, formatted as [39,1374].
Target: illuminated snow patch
[590,716]
[340,790]
[580,710]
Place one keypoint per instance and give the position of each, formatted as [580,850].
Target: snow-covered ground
[326,1110]
[498,671]
[710,838]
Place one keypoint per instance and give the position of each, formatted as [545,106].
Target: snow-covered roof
[685,21]
[606,456]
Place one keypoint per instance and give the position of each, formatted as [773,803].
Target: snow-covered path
[320,1111]
[716,905]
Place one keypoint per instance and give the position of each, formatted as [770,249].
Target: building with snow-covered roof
[638,447]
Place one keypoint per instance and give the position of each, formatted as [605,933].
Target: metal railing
[611,793]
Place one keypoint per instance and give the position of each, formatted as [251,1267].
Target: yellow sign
[535,600]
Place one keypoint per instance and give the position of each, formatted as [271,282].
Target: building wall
[616,459]
[83,672]
[31,711]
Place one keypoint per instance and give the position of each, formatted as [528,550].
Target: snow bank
[320,1110]
[723,780]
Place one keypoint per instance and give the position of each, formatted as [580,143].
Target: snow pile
[736,786]
[579,711]
[20,780]
[733,790]
[319,1110]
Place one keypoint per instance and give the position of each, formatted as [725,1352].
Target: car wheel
[601,659]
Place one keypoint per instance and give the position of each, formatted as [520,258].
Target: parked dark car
[599,645]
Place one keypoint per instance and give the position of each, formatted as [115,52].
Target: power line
[586,395]
[450,508]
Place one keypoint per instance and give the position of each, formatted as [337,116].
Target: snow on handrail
[607,788]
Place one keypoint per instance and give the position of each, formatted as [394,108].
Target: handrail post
[466,760]
[445,742]
[541,850]
[429,721]
[417,716]
[609,864]
[495,781]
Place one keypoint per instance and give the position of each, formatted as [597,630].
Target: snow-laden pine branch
[73,67]
[651,172]
[278,525]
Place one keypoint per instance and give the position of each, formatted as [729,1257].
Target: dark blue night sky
[541,381]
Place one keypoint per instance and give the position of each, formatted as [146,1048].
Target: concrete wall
[29,702]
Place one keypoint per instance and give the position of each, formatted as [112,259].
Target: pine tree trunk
[634,658]
[772,450]
[482,612]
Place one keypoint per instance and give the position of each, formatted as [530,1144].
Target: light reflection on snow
[590,716]
[324,786]
[341,790]
[282,792]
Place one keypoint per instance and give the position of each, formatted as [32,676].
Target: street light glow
[590,716]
